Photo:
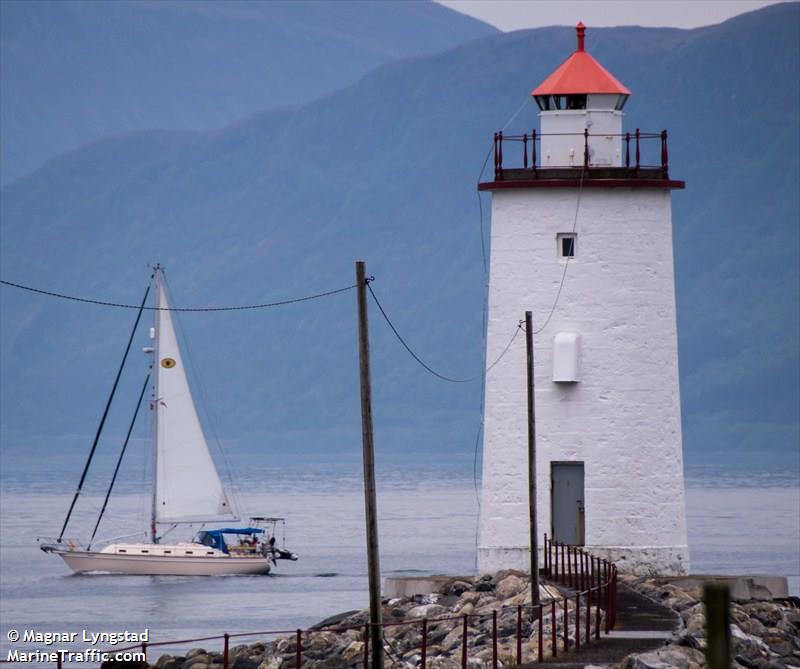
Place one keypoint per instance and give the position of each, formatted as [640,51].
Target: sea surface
[738,522]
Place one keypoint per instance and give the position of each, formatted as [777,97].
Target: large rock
[768,613]
[747,644]
[456,587]
[271,663]
[353,652]
[330,662]
[245,662]
[509,586]
[428,611]
[196,661]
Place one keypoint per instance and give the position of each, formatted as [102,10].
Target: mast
[158,279]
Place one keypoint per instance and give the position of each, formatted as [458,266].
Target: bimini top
[580,74]
[235,530]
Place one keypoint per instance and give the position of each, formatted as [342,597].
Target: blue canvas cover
[215,538]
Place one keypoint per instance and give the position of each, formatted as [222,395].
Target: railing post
[576,579]
[608,595]
[144,651]
[500,155]
[566,624]
[638,161]
[424,659]
[533,150]
[225,651]
[664,155]
[568,575]
[585,567]
[586,149]
[298,649]
[366,645]
[597,615]
[554,629]
[525,151]
[540,653]
[58,661]
[577,620]
[544,553]
[556,553]
[519,633]
[494,639]
[464,634]
[574,563]
[627,149]
[588,617]
[496,163]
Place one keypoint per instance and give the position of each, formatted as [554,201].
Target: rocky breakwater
[765,633]
[484,602]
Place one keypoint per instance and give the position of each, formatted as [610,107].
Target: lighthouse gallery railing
[636,143]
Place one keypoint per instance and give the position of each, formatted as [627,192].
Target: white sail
[187,486]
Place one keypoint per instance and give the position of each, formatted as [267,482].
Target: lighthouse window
[554,102]
[567,243]
[576,102]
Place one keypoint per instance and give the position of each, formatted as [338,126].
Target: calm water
[737,523]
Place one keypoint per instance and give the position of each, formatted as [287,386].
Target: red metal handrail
[594,578]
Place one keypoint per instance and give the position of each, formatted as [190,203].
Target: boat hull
[156,565]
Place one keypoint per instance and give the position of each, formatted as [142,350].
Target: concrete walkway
[642,625]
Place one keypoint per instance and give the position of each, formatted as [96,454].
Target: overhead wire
[121,305]
[421,362]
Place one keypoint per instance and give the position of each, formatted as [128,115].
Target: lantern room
[581,95]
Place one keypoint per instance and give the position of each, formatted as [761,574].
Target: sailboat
[186,487]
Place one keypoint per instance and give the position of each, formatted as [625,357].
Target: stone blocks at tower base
[637,560]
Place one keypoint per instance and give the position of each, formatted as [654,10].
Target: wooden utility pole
[532,462]
[370,503]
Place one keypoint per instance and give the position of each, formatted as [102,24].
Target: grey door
[568,513]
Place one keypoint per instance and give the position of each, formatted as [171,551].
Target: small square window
[567,244]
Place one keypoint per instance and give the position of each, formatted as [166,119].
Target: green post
[718,625]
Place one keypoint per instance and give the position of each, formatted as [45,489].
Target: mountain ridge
[385,171]
[104,68]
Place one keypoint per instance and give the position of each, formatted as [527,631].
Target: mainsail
[187,486]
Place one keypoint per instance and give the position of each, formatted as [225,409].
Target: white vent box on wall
[566,357]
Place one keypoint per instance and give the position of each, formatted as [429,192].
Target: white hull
[176,565]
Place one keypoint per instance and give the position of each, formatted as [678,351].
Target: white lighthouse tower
[582,237]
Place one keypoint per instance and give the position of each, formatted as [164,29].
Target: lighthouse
[581,236]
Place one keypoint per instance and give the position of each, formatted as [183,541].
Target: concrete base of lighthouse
[637,560]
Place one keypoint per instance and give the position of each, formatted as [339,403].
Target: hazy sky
[517,14]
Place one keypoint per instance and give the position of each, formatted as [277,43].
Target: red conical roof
[580,73]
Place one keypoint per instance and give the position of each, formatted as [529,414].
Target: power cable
[420,361]
[120,305]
